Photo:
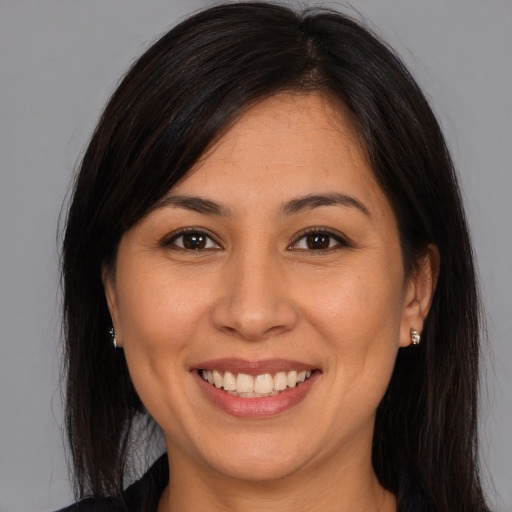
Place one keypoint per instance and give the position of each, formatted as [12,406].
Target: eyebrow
[312,201]
[294,206]
[195,204]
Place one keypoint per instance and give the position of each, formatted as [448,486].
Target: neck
[347,487]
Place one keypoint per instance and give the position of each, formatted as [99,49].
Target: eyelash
[341,241]
[171,240]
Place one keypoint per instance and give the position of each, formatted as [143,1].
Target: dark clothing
[142,496]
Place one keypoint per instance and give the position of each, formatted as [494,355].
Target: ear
[419,291]
[109,285]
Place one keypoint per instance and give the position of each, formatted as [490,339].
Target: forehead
[284,146]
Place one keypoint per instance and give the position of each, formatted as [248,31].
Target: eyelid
[168,240]
[343,240]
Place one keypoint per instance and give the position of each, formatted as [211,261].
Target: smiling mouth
[255,386]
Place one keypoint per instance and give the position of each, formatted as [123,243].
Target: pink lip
[255,407]
[234,365]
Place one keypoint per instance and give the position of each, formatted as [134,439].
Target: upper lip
[236,365]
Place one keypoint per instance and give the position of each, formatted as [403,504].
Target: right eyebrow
[310,202]
[195,204]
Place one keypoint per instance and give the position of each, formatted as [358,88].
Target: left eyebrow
[309,202]
[195,204]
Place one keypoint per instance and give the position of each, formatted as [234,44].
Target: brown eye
[192,241]
[317,241]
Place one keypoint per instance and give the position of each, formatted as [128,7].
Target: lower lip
[256,407]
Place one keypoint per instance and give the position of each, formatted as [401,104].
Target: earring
[113,336]
[415,337]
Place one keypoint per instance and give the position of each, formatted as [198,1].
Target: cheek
[353,304]
[159,321]
[158,309]
[358,314]
[159,316]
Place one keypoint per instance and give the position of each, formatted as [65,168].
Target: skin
[256,291]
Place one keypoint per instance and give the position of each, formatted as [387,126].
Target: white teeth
[229,383]
[217,379]
[244,383]
[255,386]
[264,383]
[291,379]
[280,381]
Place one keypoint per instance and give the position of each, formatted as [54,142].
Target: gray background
[58,62]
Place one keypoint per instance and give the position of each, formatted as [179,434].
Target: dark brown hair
[175,100]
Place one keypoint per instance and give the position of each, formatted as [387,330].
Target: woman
[266,253]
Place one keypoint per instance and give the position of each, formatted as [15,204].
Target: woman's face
[278,254]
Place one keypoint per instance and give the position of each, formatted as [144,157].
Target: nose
[254,301]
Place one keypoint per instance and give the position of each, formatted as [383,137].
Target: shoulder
[144,494]
[94,505]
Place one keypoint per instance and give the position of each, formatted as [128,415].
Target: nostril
[252,305]
[253,325]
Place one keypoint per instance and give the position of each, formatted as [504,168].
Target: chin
[260,459]
[259,468]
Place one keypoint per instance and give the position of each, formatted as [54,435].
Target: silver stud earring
[113,336]
[415,337]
